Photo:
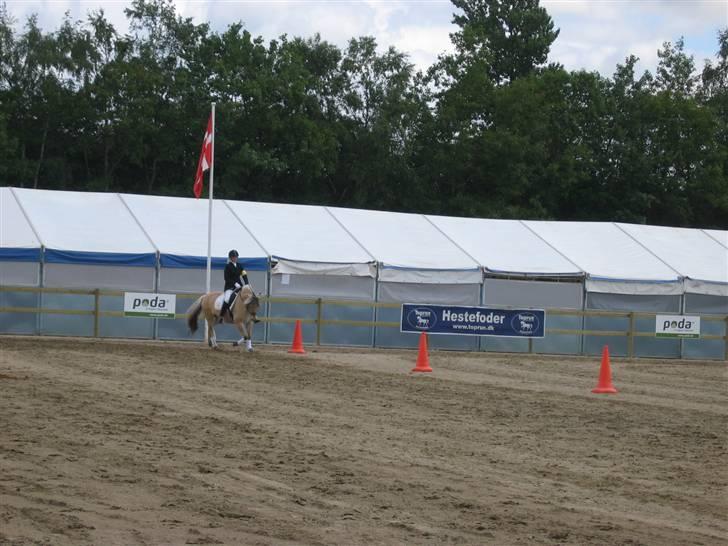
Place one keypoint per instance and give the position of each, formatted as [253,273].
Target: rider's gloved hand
[238,286]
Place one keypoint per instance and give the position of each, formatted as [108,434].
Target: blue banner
[479,321]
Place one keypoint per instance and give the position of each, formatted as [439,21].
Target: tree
[512,37]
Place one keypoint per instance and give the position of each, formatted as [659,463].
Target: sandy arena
[111,442]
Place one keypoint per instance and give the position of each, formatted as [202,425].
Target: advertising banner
[138,304]
[677,326]
[479,321]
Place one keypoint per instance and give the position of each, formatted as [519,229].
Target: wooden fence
[319,321]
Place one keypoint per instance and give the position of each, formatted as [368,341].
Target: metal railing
[319,321]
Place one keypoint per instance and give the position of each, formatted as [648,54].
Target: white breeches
[228,293]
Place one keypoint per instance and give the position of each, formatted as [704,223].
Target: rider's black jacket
[233,272]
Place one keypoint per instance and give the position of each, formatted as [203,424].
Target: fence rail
[319,321]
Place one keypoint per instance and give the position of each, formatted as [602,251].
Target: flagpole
[209,208]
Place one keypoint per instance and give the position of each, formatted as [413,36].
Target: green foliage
[490,130]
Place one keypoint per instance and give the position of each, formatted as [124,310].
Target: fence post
[630,336]
[318,321]
[96,312]
[725,338]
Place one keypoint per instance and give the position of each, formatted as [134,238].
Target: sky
[595,35]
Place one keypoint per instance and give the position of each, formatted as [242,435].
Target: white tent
[417,264]
[719,235]
[93,241]
[693,254]
[178,228]
[91,231]
[20,249]
[506,247]
[409,248]
[614,261]
[516,262]
[304,239]
[315,257]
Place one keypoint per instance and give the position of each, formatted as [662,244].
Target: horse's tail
[193,313]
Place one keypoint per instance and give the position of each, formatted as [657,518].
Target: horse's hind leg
[211,337]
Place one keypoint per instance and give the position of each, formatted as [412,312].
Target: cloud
[595,34]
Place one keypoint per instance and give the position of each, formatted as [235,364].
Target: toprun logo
[422,318]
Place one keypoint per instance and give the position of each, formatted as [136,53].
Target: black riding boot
[224,310]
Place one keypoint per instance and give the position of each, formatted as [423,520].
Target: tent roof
[604,251]
[505,246]
[86,227]
[690,252]
[299,232]
[409,246]
[15,230]
[178,228]
[719,235]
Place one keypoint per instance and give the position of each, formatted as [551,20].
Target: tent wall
[706,305]
[20,251]
[99,276]
[326,287]
[85,276]
[618,345]
[537,295]
[394,292]
[16,273]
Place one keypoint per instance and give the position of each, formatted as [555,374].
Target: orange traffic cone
[605,375]
[297,346]
[423,360]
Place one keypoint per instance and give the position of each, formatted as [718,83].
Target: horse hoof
[235,343]
[209,343]
[250,350]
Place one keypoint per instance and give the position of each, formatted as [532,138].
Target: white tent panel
[505,246]
[86,227]
[613,261]
[719,235]
[409,247]
[15,231]
[305,239]
[19,247]
[178,227]
[690,252]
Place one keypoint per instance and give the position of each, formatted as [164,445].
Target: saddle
[227,319]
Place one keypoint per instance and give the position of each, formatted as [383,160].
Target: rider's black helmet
[233,253]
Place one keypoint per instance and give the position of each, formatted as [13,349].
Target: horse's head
[252,305]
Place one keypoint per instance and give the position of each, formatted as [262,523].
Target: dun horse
[244,310]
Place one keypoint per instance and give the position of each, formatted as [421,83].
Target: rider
[233,273]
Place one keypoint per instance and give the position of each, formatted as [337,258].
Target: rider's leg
[225,305]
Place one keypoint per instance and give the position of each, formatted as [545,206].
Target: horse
[243,309]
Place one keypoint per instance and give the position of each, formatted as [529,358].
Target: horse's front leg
[244,330]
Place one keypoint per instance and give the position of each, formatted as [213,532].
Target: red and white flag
[205,161]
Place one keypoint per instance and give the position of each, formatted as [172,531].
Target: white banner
[140,304]
[677,326]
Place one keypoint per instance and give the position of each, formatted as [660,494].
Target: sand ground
[118,442]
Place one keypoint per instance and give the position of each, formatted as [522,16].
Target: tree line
[491,130]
